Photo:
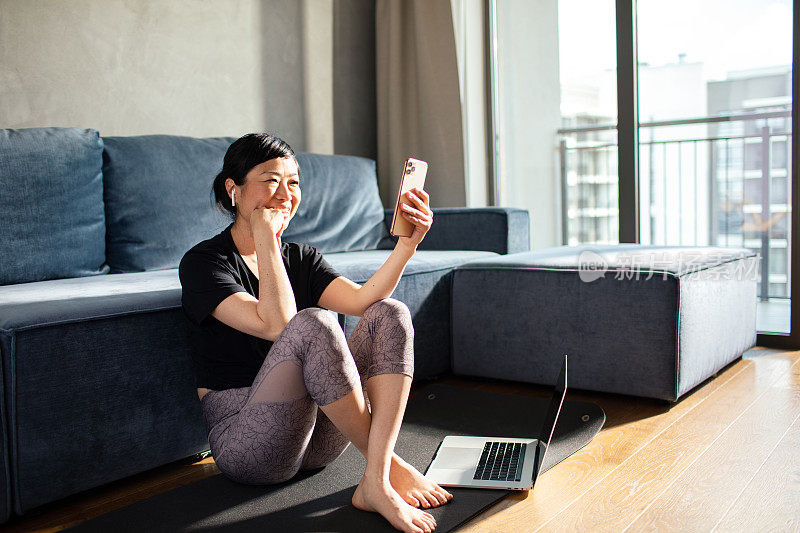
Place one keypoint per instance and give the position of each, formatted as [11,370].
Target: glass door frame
[792,340]
[628,157]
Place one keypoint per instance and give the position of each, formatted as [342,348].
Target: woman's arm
[276,305]
[268,315]
[349,298]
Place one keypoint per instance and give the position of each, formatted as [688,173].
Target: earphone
[233,198]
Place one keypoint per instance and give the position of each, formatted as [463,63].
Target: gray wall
[193,67]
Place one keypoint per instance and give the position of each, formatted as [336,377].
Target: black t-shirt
[225,357]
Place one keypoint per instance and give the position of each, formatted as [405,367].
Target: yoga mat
[320,500]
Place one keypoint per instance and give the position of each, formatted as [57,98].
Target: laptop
[497,462]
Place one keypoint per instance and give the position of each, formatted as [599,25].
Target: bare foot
[375,495]
[413,487]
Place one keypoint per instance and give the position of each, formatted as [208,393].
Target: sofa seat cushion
[51,208]
[150,225]
[360,266]
[425,289]
[27,305]
[67,300]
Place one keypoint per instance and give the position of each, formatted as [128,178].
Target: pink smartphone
[414,172]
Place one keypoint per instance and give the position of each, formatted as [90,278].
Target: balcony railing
[721,180]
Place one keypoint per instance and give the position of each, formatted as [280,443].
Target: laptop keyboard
[501,461]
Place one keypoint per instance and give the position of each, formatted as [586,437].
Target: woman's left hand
[420,216]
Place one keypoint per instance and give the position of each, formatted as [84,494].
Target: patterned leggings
[265,433]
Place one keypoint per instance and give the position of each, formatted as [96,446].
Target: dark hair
[242,155]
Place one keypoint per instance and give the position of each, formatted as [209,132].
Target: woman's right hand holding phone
[420,215]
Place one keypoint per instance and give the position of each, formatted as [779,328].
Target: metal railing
[720,188]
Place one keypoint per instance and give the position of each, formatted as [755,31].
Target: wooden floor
[725,458]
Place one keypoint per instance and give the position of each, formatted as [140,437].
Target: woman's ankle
[397,460]
[378,473]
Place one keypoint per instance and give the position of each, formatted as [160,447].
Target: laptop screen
[554,408]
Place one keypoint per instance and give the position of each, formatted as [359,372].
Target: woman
[266,356]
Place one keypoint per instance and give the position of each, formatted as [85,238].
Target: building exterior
[702,182]
[751,168]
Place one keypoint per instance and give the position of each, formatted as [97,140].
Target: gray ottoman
[642,320]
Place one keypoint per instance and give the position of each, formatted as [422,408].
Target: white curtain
[419,107]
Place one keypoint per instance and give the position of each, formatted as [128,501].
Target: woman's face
[273,183]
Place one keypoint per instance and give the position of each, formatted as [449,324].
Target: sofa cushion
[28,305]
[158,198]
[503,230]
[51,208]
[340,210]
[360,266]
[151,226]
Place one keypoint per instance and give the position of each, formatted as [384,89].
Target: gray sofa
[97,381]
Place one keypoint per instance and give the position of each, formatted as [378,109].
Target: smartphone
[414,172]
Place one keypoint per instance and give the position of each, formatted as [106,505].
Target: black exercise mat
[320,500]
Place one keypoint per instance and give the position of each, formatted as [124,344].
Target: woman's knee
[391,333]
[314,317]
[313,323]
[389,318]
[390,308]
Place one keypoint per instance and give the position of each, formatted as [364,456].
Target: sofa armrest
[503,230]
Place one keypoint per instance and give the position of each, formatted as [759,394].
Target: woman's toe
[431,499]
[441,498]
[431,521]
[415,528]
[412,501]
[424,503]
[422,524]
